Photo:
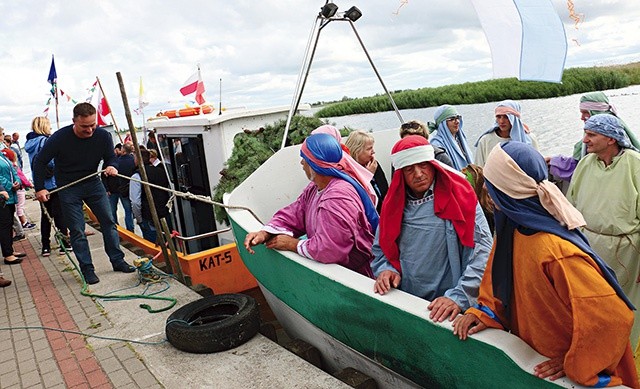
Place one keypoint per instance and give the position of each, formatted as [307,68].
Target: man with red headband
[335,211]
[433,241]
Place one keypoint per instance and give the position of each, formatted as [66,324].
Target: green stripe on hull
[413,347]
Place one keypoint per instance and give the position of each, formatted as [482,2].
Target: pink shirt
[335,224]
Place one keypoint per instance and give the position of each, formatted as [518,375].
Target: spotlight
[328,10]
[353,13]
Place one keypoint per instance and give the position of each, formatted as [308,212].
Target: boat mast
[328,13]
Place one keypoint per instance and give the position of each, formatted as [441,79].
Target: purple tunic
[335,224]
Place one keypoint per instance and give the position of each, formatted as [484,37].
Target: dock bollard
[305,351]
[356,379]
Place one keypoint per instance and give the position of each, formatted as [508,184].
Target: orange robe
[563,307]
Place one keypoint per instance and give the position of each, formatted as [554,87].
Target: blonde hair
[414,127]
[41,125]
[475,176]
[357,141]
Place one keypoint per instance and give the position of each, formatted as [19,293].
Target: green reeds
[574,81]
[252,148]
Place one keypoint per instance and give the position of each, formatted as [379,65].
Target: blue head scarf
[518,130]
[324,155]
[457,150]
[609,126]
[529,216]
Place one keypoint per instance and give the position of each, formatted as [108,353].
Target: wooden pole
[147,189]
[113,118]
[172,250]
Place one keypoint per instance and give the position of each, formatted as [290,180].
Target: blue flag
[53,77]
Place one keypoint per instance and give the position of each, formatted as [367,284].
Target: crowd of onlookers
[130,194]
[62,158]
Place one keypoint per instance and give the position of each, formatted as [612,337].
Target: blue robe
[433,261]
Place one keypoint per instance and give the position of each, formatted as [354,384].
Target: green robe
[609,199]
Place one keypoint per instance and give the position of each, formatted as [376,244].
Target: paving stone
[9,378]
[120,378]
[111,365]
[52,378]
[144,378]
[30,379]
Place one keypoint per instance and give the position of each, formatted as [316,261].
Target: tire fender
[214,323]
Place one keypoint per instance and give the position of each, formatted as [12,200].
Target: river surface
[556,121]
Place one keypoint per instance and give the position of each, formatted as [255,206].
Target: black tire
[214,323]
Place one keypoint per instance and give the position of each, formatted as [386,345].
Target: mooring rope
[145,274]
[60,238]
[174,193]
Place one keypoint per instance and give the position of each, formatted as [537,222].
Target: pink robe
[335,224]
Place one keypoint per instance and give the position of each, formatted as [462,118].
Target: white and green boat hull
[390,337]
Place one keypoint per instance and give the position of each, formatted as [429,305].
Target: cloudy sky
[256,48]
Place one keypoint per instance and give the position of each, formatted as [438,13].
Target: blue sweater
[75,157]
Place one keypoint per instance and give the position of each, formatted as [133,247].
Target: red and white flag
[194,84]
[102,107]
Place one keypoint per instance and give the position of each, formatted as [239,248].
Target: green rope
[84,290]
[81,333]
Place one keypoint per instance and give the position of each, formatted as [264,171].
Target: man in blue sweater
[78,150]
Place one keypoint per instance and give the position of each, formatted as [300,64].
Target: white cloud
[256,47]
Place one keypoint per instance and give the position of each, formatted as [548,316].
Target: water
[556,122]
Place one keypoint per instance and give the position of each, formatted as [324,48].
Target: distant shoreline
[574,81]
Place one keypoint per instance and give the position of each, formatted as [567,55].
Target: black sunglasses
[410,125]
[452,118]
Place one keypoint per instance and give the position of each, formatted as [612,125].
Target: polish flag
[194,84]
[103,109]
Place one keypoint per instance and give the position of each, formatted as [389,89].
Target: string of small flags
[67,96]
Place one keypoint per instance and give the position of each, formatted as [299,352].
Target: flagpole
[53,80]
[141,105]
[56,98]
[220,108]
[110,110]
[199,81]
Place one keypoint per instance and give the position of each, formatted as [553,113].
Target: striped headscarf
[361,171]
[519,130]
[325,156]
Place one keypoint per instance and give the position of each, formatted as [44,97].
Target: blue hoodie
[32,147]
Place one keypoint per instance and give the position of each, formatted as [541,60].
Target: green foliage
[574,81]
[252,148]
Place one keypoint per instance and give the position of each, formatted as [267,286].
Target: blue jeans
[126,205]
[91,192]
[148,230]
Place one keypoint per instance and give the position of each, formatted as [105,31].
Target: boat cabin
[195,149]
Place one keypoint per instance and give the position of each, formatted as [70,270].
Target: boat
[196,145]
[390,338]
